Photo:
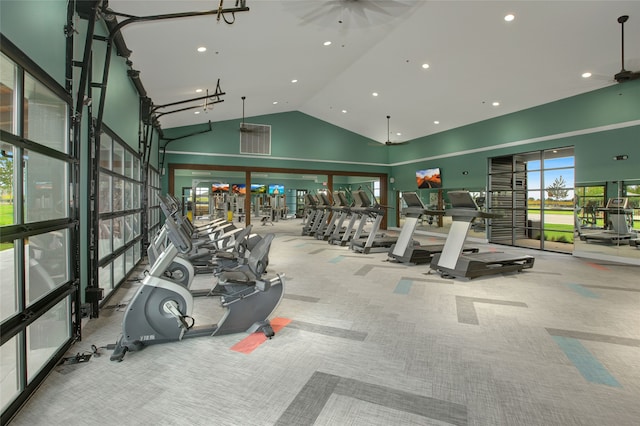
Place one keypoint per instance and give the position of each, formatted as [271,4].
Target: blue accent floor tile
[582,291]
[337,259]
[403,287]
[588,365]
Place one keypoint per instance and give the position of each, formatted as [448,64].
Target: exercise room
[319,212]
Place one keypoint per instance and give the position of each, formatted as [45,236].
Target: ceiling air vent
[255,139]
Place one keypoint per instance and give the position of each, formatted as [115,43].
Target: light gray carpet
[377,343]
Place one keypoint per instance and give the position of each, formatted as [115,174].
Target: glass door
[534,194]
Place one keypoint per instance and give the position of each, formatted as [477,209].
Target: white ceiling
[475,58]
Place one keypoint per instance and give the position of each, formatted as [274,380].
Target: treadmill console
[357,200]
[325,199]
[366,202]
[342,199]
[312,200]
[412,200]
[618,203]
[462,200]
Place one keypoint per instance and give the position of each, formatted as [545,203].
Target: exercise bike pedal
[268,331]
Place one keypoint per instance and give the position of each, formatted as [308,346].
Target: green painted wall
[594,151]
[36,27]
[614,104]
[295,138]
[122,105]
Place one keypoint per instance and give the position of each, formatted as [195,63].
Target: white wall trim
[435,157]
[263,157]
[525,141]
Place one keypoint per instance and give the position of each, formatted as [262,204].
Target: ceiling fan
[388,141]
[351,14]
[250,128]
[625,75]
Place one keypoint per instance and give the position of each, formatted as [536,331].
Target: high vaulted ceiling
[475,58]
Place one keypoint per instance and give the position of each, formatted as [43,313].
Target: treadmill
[616,213]
[340,211]
[452,262]
[357,213]
[406,250]
[373,242]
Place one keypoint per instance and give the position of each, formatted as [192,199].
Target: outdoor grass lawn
[547,211]
[6,214]
[559,233]
[6,218]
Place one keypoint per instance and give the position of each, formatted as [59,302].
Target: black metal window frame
[153,209]
[16,325]
[110,257]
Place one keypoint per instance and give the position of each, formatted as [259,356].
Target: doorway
[534,193]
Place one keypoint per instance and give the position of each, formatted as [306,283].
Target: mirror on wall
[279,194]
[437,199]
[222,194]
[607,219]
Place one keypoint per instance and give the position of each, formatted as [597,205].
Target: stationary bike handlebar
[177,236]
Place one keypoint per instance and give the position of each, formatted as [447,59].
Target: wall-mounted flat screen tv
[239,188]
[429,178]
[258,188]
[219,187]
[276,189]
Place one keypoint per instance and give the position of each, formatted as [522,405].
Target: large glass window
[632,192]
[37,265]
[153,209]
[120,210]
[45,116]
[8,270]
[45,335]
[46,255]
[10,383]
[7,184]
[45,187]
[589,201]
[8,75]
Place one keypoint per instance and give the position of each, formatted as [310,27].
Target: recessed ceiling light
[294,81]
[197,112]
[586,74]
[425,66]
[436,122]
[198,90]
[344,111]
[398,134]
[374,94]
[496,104]
[275,102]
[510,17]
[326,43]
[202,49]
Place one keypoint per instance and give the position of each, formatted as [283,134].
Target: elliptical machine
[161,310]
